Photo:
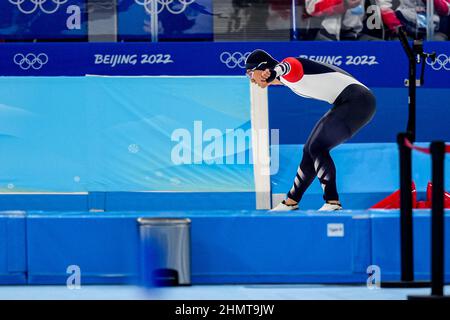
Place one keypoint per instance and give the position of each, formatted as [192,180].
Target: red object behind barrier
[422,205]
[393,200]
[430,192]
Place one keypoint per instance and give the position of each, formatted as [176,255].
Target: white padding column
[260,145]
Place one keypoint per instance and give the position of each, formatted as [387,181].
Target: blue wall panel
[295,116]
[13,254]
[125,201]
[386,68]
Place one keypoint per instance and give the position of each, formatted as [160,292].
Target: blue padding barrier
[110,137]
[104,247]
[126,201]
[181,201]
[366,173]
[386,244]
[45,202]
[13,261]
[286,248]
[227,246]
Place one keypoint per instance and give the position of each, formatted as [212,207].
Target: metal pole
[412,56]
[154,23]
[411,126]
[294,22]
[437,149]
[406,220]
[406,217]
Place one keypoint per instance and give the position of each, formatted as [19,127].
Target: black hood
[260,60]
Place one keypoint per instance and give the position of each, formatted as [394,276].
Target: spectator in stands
[444,26]
[412,15]
[261,19]
[342,19]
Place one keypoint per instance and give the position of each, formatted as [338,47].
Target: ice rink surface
[210,292]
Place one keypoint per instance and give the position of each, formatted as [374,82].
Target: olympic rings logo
[157,6]
[33,5]
[30,60]
[235,59]
[442,62]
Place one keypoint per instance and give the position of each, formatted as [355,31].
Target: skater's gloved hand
[268,75]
